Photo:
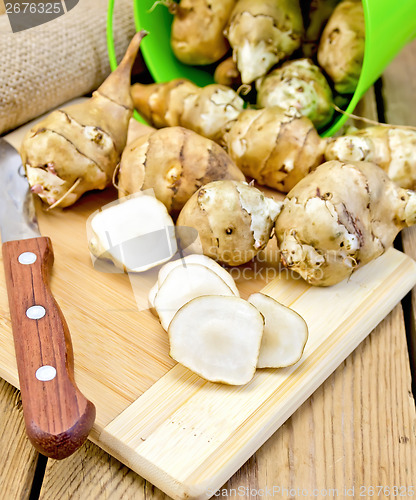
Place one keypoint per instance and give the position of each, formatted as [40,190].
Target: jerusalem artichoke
[207,110]
[197,30]
[263,33]
[234,220]
[135,233]
[226,73]
[341,48]
[317,15]
[340,217]
[285,333]
[203,260]
[301,84]
[391,148]
[76,149]
[175,162]
[183,284]
[217,337]
[276,147]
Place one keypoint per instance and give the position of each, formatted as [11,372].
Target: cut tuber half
[285,333]
[136,233]
[218,338]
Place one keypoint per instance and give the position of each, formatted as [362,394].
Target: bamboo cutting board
[183,434]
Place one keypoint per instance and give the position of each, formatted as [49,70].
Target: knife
[58,417]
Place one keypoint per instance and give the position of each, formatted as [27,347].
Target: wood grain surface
[190,436]
[399,92]
[357,430]
[18,457]
[123,351]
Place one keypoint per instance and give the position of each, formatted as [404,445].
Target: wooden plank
[399,92]
[357,428]
[129,346]
[187,435]
[258,471]
[367,108]
[93,474]
[344,404]
[18,457]
[399,88]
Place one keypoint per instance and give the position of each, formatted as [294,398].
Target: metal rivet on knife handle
[46,373]
[27,258]
[35,312]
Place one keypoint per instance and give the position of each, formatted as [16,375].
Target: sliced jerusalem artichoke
[183,284]
[340,217]
[299,84]
[391,148]
[175,162]
[218,338]
[136,233]
[184,262]
[285,333]
[151,298]
[234,220]
[208,111]
[263,33]
[276,147]
[76,149]
[203,260]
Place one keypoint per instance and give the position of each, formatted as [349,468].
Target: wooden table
[357,431]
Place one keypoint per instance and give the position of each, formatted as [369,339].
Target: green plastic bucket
[389,26]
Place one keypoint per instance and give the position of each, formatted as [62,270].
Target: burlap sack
[43,67]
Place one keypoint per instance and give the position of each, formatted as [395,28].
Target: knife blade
[58,417]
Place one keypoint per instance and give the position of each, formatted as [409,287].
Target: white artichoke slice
[204,261]
[285,333]
[183,284]
[151,298]
[218,338]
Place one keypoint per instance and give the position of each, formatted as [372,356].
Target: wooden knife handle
[58,417]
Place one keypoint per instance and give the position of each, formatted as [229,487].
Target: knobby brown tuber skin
[391,148]
[263,33]
[301,84]
[341,48]
[340,217]
[174,162]
[197,30]
[207,110]
[276,147]
[226,73]
[234,220]
[76,149]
